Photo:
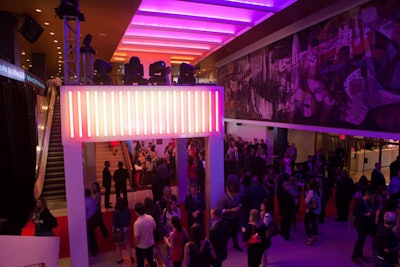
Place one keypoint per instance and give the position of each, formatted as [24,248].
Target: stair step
[60,194]
[51,198]
[54,187]
[55,180]
[55,164]
[56,158]
[55,175]
[56,148]
[59,168]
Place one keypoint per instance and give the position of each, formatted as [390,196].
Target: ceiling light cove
[190,30]
[159,44]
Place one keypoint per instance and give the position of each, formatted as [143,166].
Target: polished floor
[333,249]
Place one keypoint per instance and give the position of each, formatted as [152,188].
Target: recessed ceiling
[190,30]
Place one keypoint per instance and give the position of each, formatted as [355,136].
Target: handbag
[254,239]
[117,235]
[312,204]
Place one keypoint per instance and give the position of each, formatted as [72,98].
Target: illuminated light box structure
[109,113]
[105,113]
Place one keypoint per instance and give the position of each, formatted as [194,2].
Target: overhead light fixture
[69,8]
[157,73]
[134,72]
[103,68]
[186,74]
[38,10]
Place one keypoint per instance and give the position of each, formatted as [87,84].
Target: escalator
[54,183]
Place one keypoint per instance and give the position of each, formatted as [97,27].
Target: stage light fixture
[103,68]
[69,8]
[186,74]
[134,72]
[157,73]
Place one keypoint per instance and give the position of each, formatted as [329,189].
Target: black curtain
[18,139]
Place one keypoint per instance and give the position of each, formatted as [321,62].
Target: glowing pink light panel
[106,113]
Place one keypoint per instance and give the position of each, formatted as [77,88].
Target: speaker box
[31,30]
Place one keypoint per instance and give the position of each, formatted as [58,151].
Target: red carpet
[107,245]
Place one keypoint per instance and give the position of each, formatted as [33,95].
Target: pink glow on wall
[154,112]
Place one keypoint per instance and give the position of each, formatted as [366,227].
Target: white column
[181,169]
[75,191]
[214,172]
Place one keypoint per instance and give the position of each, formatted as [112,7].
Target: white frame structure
[108,113]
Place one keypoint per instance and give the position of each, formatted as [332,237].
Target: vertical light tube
[216,111]
[113,113]
[89,132]
[189,111]
[144,113]
[182,114]
[129,114]
[71,115]
[152,111]
[167,111]
[80,114]
[210,114]
[160,118]
[105,123]
[96,105]
[203,112]
[137,112]
[196,111]
[175,115]
[121,118]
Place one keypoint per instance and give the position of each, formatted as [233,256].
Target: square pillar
[214,173]
[75,192]
[181,169]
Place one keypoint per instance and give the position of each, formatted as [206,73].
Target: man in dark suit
[107,183]
[344,194]
[195,205]
[394,167]
[286,206]
[377,178]
[219,235]
[120,177]
[308,169]
[363,223]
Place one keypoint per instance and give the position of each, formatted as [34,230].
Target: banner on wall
[343,72]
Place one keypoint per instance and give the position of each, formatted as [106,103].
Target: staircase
[54,184]
[103,153]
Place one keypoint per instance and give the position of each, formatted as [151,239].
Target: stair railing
[44,149]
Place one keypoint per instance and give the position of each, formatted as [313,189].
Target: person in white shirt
[144,240]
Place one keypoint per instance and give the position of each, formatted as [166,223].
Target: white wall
[304,141]
[29,250]
[248,132]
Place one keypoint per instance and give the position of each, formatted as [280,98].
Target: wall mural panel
[343,72]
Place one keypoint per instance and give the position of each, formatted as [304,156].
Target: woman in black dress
[198,251]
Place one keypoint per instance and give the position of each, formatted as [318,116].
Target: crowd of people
[247,208]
